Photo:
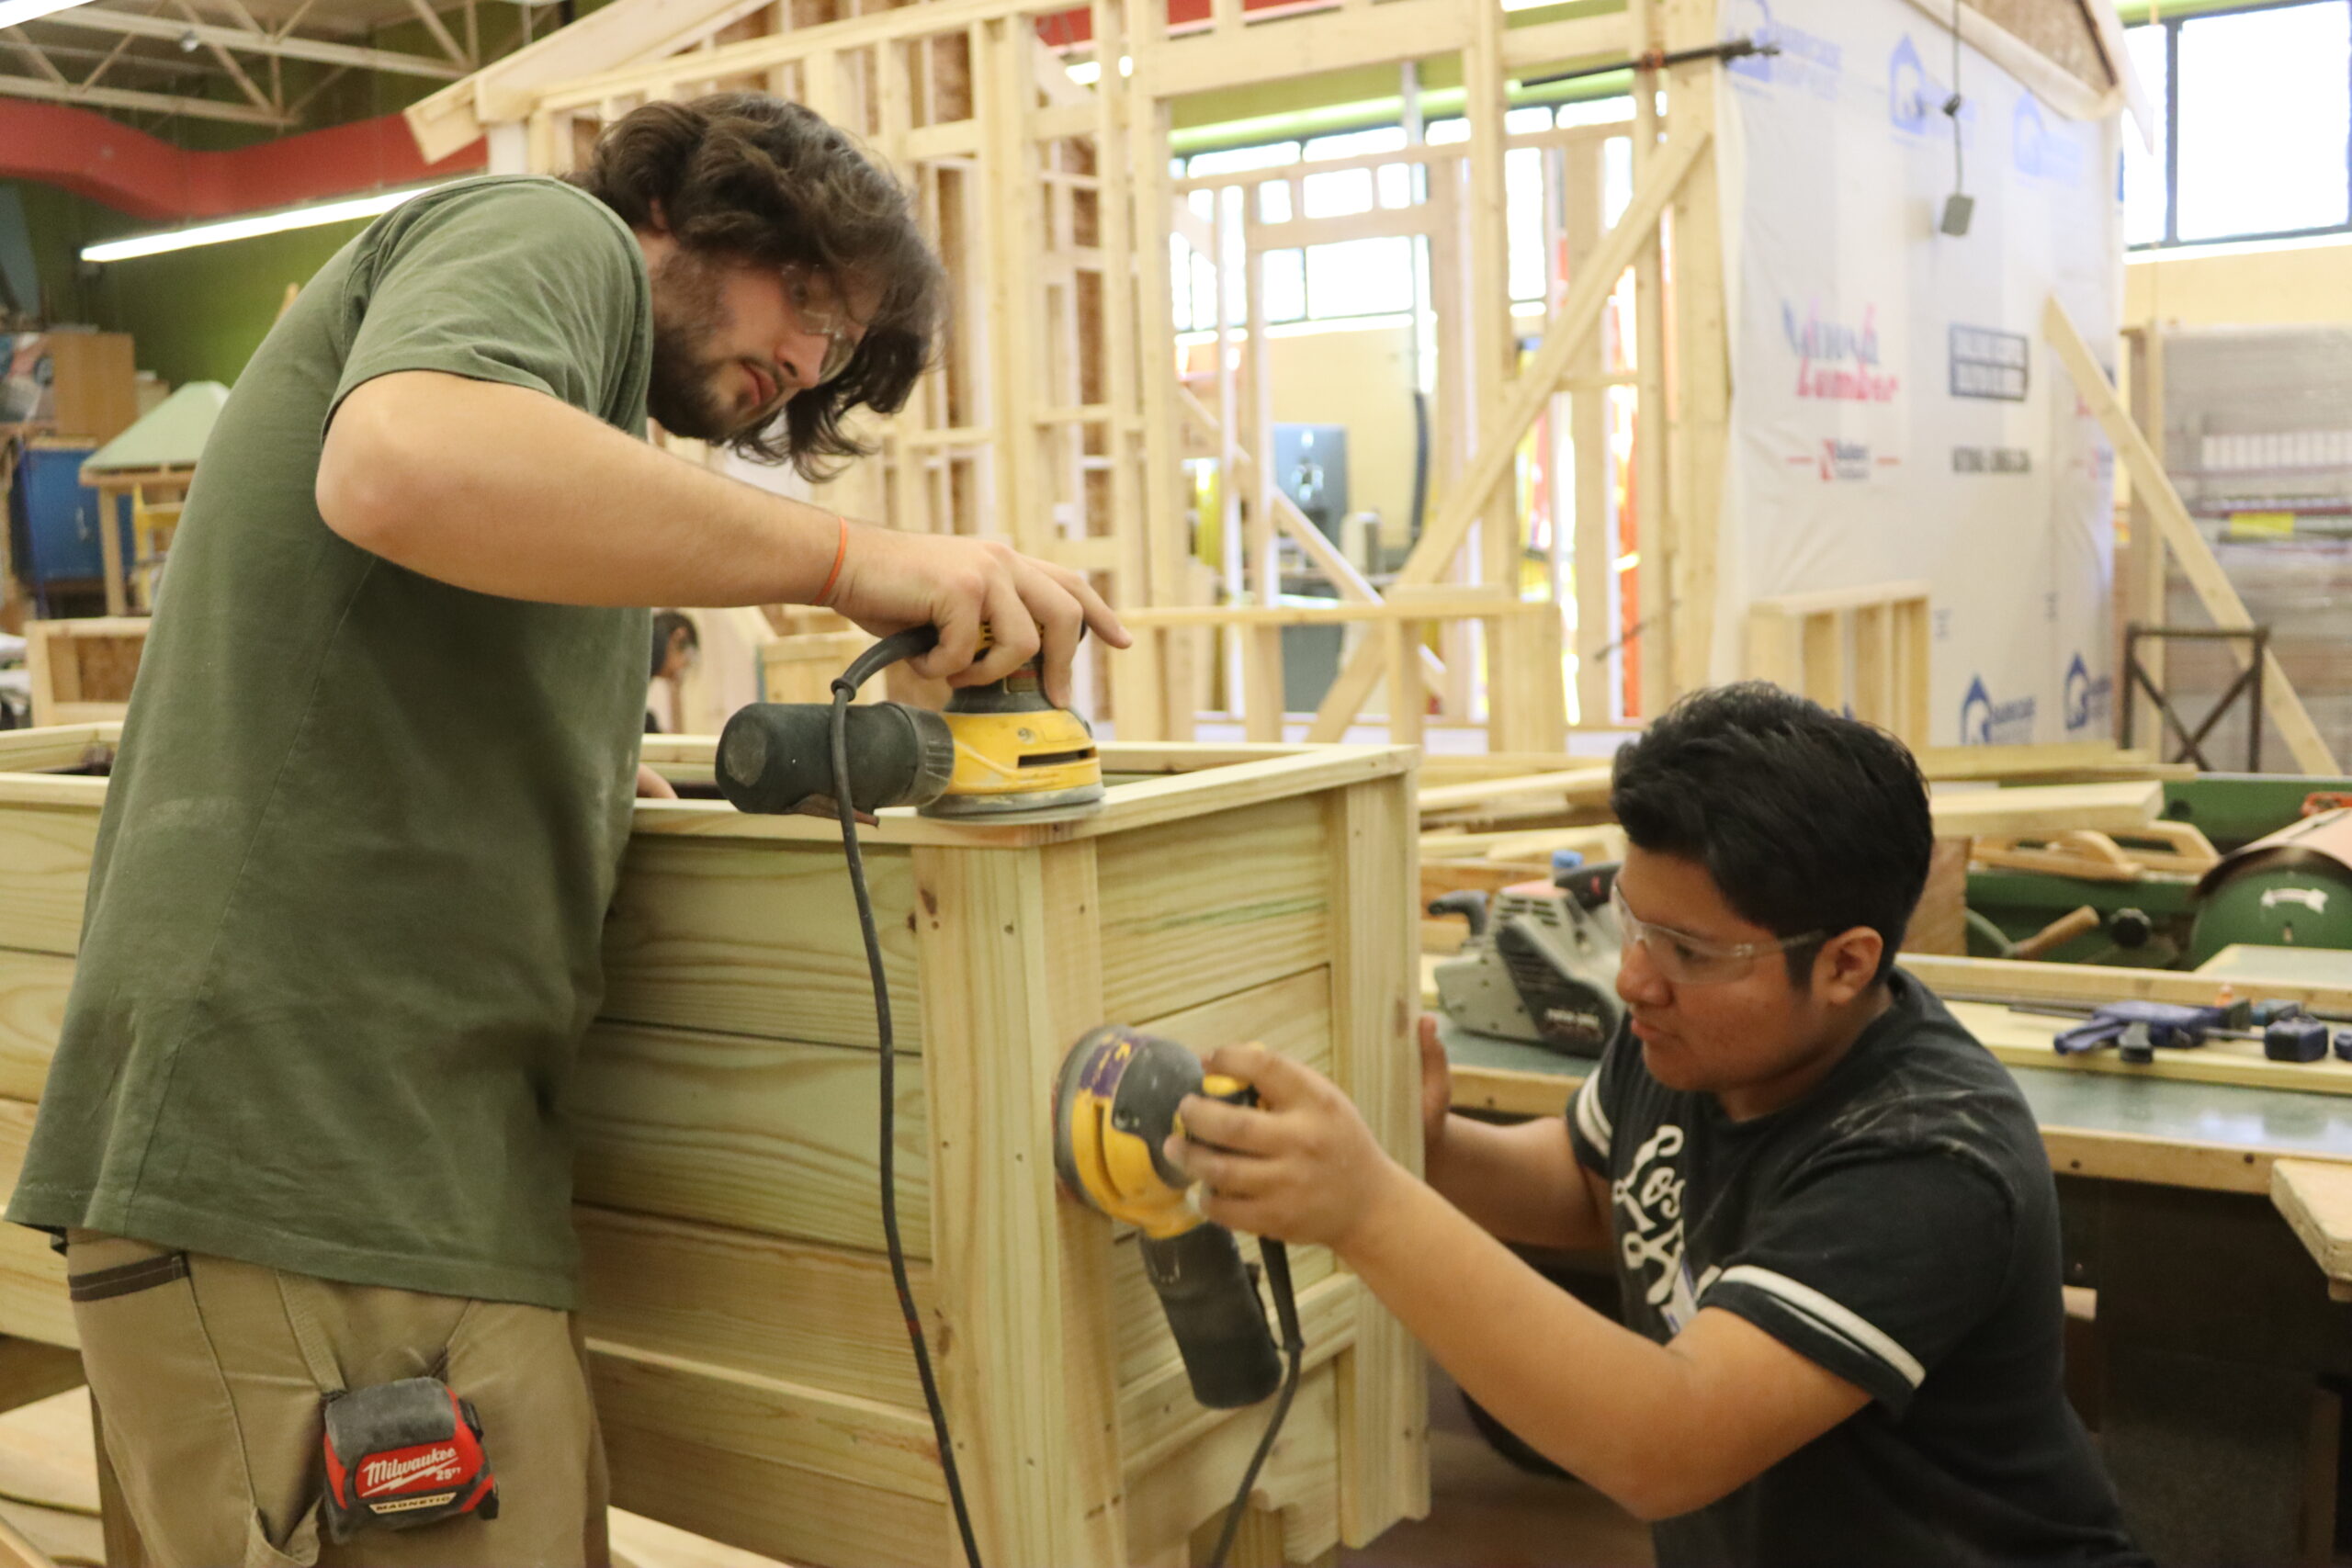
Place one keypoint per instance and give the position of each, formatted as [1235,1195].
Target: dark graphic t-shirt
[1899,1227]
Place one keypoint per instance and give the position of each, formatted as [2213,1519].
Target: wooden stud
[1025,1360]
[1578,316]
[1701,427]
[1382,1398]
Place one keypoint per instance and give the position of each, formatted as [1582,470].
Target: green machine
[2293,888]
[2300,864]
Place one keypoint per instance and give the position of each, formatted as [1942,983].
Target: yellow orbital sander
[1000,750]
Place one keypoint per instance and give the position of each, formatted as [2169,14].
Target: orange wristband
[841,554]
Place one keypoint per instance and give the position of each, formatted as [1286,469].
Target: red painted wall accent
[131,172]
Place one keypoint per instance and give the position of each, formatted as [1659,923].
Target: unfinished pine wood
[758,938]
[33,1303]
[768,1135]
[673,1470]
[1027,1356]
[2316,1198]
[1858,650]
[751,1365]
[1382,1390]
[2105,808]
[1169,1502]
[44,865]
[786,1424]
[824,1317]
[1180,927]
[33,987]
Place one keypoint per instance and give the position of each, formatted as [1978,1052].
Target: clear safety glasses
[814,310]
[1693,961]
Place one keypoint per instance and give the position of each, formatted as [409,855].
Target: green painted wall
[194,315]
[198,315]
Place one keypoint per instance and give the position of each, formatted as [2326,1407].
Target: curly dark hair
[750,176]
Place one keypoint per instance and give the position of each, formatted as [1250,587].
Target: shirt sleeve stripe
[1830,1316]
[1591,1121]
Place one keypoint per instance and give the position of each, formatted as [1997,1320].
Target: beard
[682,391]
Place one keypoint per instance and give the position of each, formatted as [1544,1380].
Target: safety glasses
[816,312]
[1688,960]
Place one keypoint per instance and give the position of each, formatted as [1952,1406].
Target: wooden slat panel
[823,1316]
[33,1303]
[801,1429]
[1300,1480]
[33,987]
[1182,925]
[44,865]
[679,1474]
[758,939]
[1383,1383]
[767,1136]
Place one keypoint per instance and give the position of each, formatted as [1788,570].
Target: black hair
[668,624]
[750,176]
[1808,820]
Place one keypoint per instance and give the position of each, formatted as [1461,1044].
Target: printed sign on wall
[1895,413]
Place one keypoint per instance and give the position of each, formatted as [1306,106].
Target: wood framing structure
[1862,651]
[752,1370]
[1058,419]
[81,669]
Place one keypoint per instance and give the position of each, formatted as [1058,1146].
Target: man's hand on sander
[888,581]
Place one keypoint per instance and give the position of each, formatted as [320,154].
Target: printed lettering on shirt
[1649,1195]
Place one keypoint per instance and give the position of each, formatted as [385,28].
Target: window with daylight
[2255,105]
[1354,278]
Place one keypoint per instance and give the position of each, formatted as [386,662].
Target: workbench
[2221,1350]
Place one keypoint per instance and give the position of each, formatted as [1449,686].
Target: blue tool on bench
[2135,1027]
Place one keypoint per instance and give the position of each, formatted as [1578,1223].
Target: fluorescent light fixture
[15,11]
[1086,73]
[252,224]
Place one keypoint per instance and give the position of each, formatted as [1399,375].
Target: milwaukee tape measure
[403,1454]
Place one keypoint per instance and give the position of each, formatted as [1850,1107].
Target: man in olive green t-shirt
[304,1129]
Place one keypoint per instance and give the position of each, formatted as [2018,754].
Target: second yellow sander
[999,749]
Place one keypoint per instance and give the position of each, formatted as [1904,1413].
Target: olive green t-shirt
[342,931]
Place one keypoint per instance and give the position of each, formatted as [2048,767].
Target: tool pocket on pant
[171,1429]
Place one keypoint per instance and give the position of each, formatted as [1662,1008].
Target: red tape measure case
[404,1454]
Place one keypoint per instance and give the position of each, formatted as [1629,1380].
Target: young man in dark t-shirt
[1833,1221]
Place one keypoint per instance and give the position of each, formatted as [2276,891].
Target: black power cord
[1276,1259]
[845,688]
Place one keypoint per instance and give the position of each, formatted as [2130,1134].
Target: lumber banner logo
[1983,722]
[1836,360]
[2089,698]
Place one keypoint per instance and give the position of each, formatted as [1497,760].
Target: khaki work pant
[210,1413]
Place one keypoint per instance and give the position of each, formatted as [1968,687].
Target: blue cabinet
[53,520]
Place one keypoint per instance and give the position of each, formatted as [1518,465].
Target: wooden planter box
[751,1369]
